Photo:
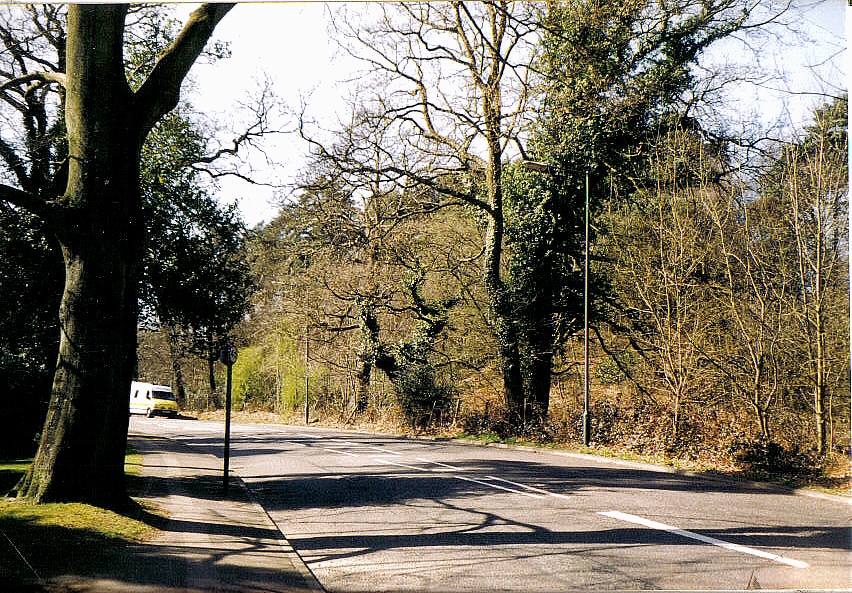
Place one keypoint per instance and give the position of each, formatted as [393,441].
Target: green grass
[132,461]
[11,471]
[53,539]
[101,523]
[486,437]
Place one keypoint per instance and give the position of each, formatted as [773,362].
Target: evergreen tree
[613,76]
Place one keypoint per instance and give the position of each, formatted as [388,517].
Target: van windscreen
[163,395]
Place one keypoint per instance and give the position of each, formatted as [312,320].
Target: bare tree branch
[160,92]
[45,77]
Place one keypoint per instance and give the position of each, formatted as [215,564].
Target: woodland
[431,270]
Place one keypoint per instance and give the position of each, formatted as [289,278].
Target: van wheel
[149,413]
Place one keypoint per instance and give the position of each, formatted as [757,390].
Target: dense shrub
[253,383]
[420,397]
[768,457]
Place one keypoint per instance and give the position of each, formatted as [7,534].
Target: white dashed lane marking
[353,449]
[703,538]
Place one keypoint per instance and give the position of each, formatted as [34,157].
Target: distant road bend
[377,513]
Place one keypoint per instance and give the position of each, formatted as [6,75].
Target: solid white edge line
[703,538]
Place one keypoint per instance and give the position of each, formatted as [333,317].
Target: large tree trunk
[540,367]
[99,225]
[499,303]
[81,453]
[502,321]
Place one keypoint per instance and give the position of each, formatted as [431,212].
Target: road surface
[377,513]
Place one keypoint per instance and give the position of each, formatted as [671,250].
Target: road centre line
[531,488]
[465,478]
[388,462]
[533,492]
[340,451]
[703,538]
[341,446]
[526,490]
[498,486]
[518,484]
[438,463]
[361,447]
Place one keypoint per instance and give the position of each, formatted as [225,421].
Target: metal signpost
[229,357]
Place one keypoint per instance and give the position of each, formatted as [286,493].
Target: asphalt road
[376,513]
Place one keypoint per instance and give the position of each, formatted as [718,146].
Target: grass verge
[44,541]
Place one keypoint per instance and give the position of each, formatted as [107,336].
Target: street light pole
[587,419]
[587,414]
[307,377]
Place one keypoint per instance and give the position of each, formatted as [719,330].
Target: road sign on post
[229,357]
[228,354]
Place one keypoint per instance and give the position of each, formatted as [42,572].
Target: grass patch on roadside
[56,539]
[132,461]
[12,470]
[100,523]
[486,437]
[53,539]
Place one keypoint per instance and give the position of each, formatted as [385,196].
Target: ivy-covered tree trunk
[613,76]
[98,222]
[540,368]
[500,306]
[370,346]
[506,334]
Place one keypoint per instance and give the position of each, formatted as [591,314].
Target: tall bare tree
[751,291]
[449,88]
[811,182]
[661,248]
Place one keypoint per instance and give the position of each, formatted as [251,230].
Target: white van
[150,399]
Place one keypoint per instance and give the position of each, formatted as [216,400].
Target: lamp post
[307,377]
[587,416]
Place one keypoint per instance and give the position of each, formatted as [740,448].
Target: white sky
[288,43]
